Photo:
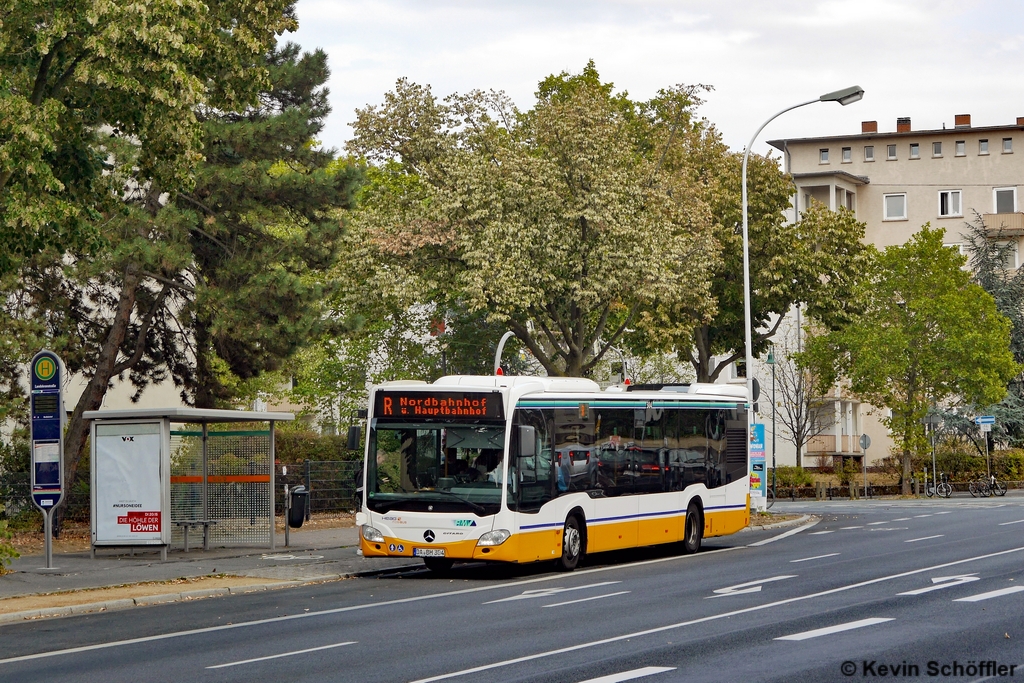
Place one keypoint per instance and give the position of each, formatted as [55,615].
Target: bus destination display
[438,404]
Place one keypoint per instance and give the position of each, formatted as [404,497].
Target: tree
[265,229]
[562,222]
[988,255]
[70,71]
[815,263]
[928,335]
[108,94]
[797,401]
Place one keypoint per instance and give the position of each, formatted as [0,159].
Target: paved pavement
[312,555]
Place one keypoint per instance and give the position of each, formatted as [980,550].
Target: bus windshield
[430,467]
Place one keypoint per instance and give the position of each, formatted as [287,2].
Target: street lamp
[844,97]
[771,361]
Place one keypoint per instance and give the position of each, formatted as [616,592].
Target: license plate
[428,552]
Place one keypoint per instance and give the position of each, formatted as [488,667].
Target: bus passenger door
[615,458]
[659,520]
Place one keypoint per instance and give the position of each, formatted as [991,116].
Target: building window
[949,203]
[961,148]
[1005,199]
[1007,145]
[895,206]
[739,369]
[847,155]
[891,152]
[869,153]
[823,156]
[915,150]
[1010,261]
[982,146]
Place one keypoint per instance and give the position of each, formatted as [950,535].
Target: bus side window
[535,472]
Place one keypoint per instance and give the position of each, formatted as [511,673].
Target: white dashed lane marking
[991,594]
[630,675]
[816,557]
[924,538]
[838,628]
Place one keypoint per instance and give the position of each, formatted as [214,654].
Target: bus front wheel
[572,545]
[693,529]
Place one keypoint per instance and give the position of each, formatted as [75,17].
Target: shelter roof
[188,415]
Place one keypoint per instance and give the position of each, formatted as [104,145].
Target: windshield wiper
[476,508]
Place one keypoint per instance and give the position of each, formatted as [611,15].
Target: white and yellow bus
[527,469]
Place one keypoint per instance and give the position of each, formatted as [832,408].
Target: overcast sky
[926,60]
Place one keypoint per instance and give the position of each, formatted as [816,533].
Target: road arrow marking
[944,582]
[748,587]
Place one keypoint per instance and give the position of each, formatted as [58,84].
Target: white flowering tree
[574,224]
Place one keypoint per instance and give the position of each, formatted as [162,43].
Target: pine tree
[266,226]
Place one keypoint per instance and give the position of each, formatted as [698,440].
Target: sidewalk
[31,591]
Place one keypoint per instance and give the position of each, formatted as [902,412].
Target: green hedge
[294,447]
[791,476]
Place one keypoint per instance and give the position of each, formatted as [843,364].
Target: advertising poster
[757,470]
[128,503]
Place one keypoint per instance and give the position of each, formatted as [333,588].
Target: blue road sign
[47,430]
[985,420]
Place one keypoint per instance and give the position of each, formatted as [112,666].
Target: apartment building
[895,182]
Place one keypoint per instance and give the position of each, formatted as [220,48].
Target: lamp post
[844,97]
[932,422]
[771,361]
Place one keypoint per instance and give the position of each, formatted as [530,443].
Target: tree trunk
[92,398]
[905,490]
[204,396]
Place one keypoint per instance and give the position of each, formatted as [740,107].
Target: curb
[185,596]
[778,525]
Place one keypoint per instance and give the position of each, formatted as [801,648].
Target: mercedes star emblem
[428,536]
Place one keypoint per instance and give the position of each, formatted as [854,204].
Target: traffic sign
[47,427]
[865,441]
[985,420]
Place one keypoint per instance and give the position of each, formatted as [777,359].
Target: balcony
[825,444]
[1004,223]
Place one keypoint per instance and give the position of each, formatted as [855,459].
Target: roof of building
[191,415]
[855,179]
[781,143]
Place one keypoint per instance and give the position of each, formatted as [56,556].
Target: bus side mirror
[354,436]
[527,441]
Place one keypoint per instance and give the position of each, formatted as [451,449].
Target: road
[874,584]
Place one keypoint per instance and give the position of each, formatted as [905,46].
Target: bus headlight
[496,537]
[372,535]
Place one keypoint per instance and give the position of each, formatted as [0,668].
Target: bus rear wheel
[438,565]
[693,529]
[572,545]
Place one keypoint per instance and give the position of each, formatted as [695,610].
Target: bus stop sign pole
[47,440]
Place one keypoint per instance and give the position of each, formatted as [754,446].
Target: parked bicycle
[997,487]
[770,492]
[942,489]
[987,487]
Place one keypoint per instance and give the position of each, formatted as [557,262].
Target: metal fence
[332,484]
[16,499]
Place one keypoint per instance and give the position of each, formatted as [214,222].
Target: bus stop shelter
[158,474]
